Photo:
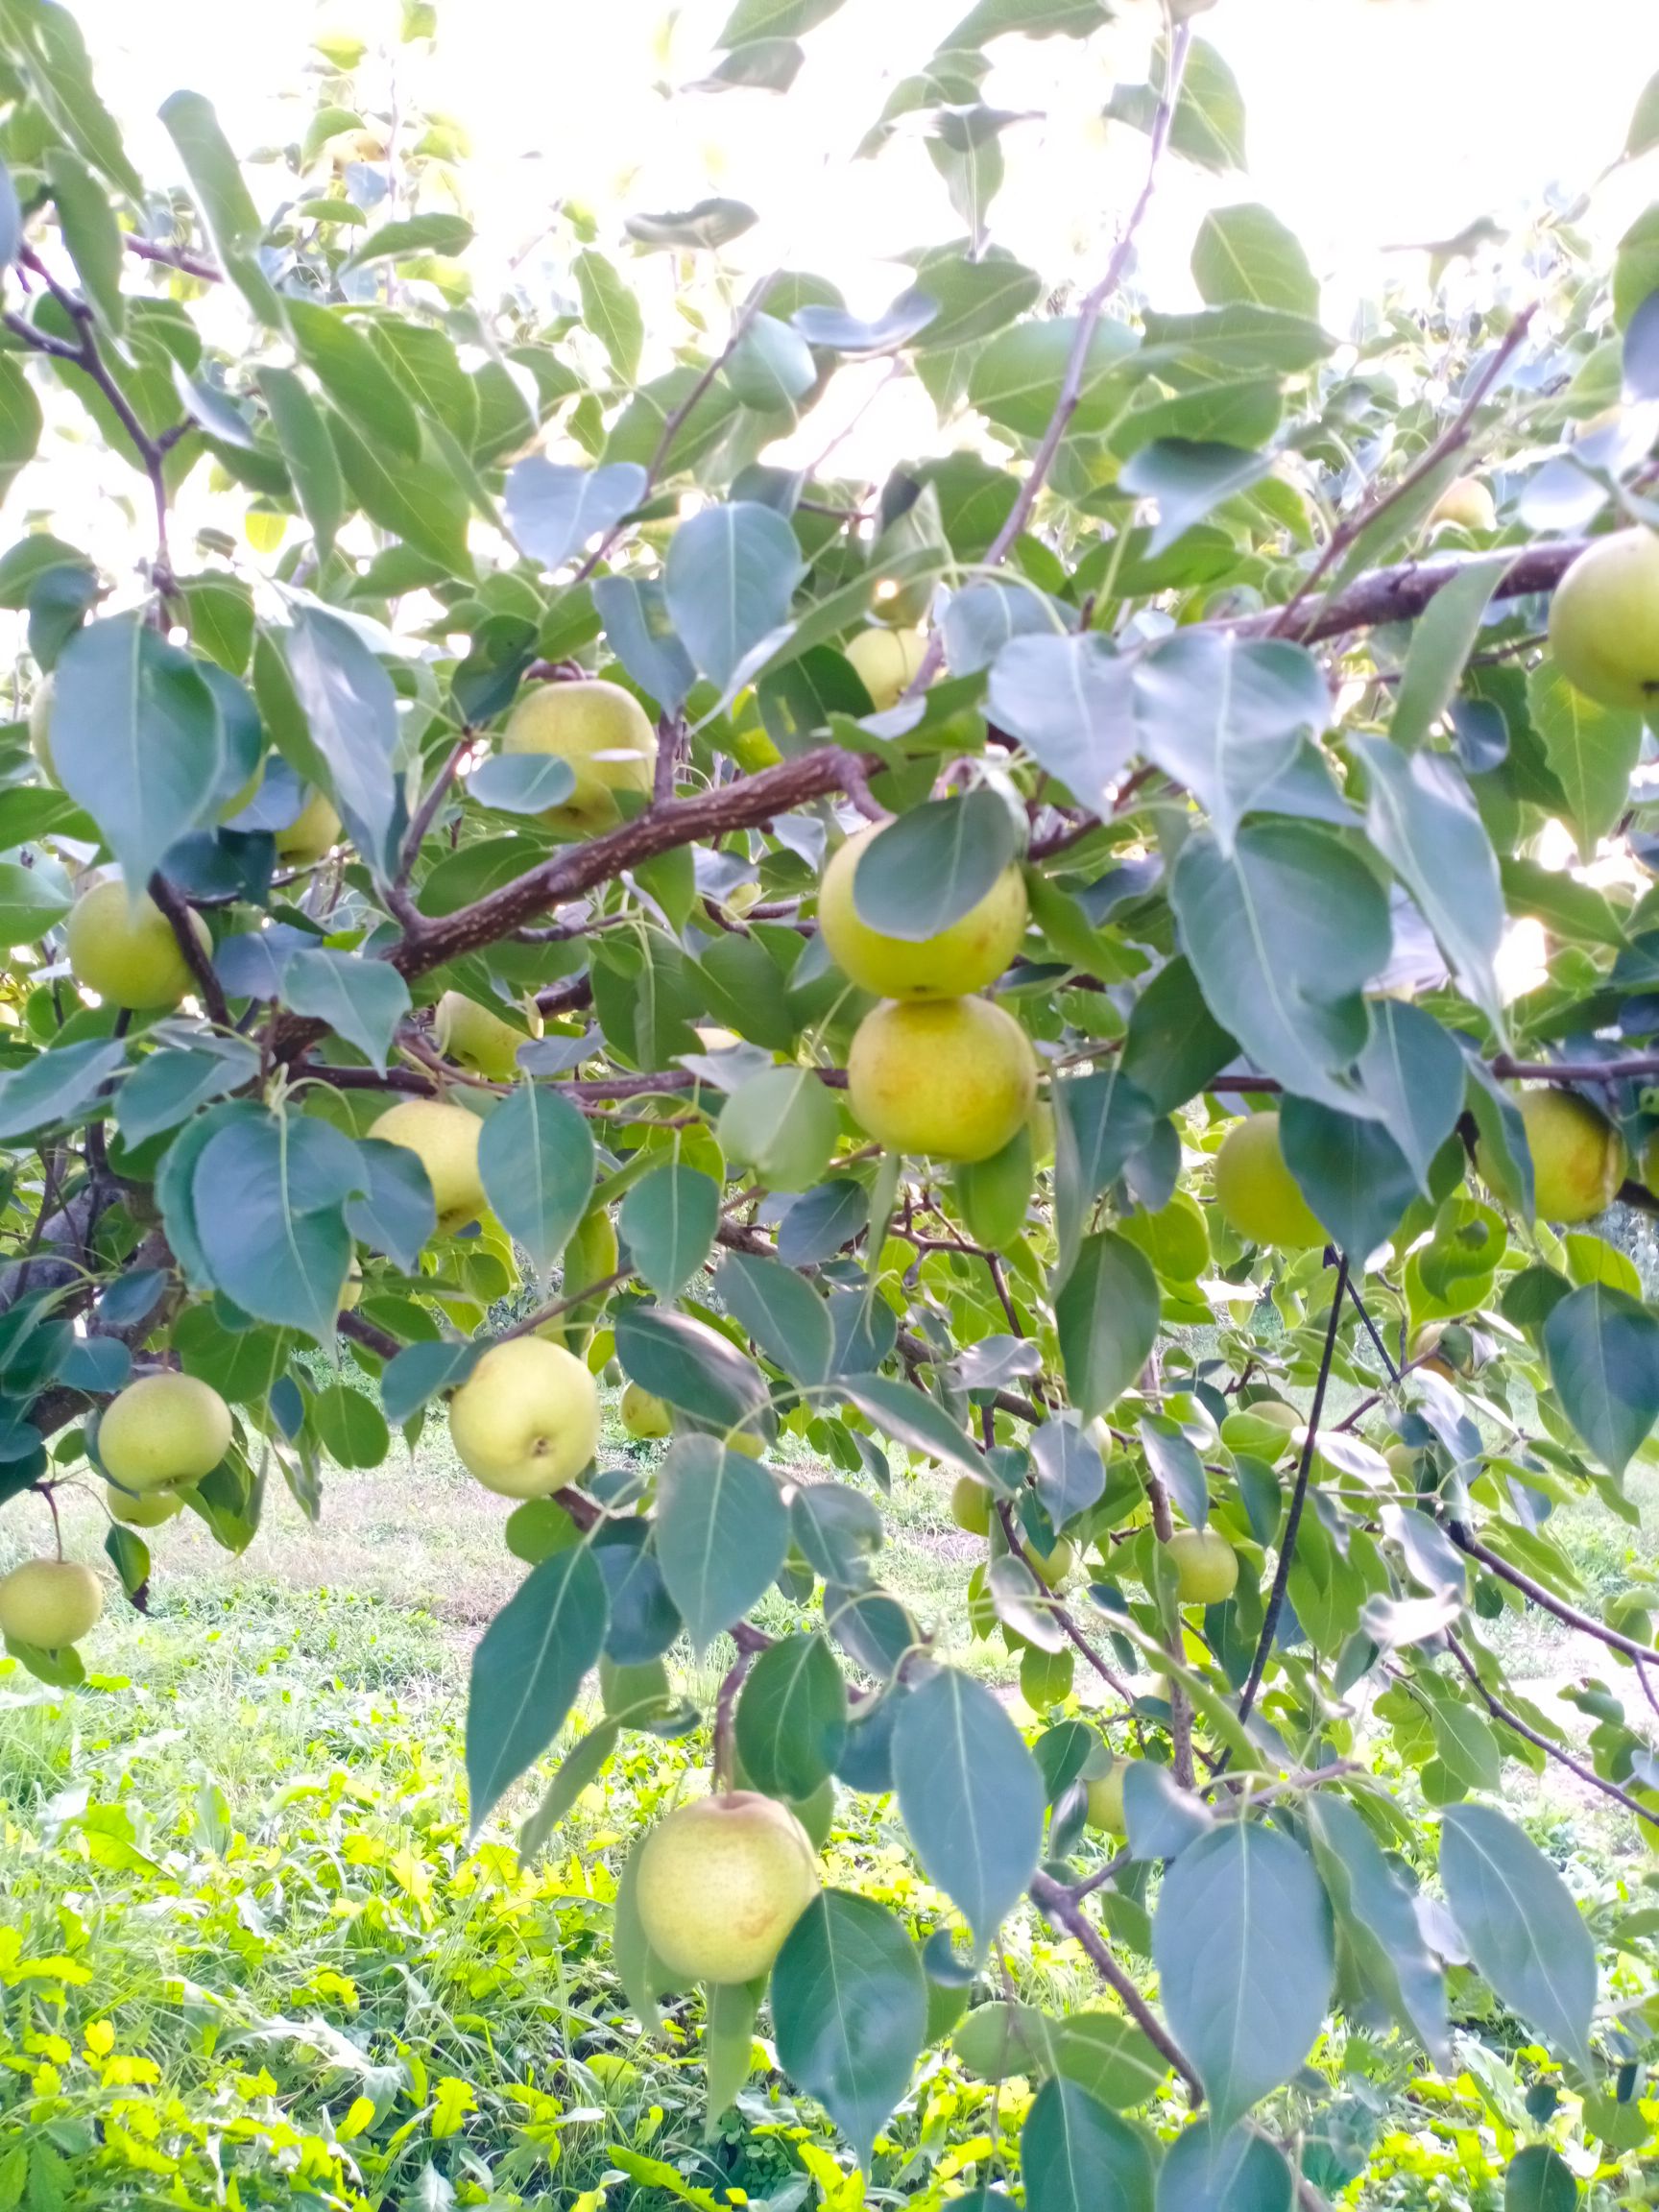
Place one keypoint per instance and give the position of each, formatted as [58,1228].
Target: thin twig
[1502,1713]
[427,812]
[1298,1497]
[199,963]
[1053,1899]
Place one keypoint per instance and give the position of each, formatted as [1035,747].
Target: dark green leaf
[168,1087]
[1069,701]
[362,1001]
[1076,2156]
[688,1364]
[971,1795]
[393,1210]
[722,1532]
[1242,1940]
[783,1122]
[354,377]
[55,1086]
[1070,1472]
[640,631]
[1246,254]
[349,1426]
[669,1222]
[90,234]
[228,209]
[419,500]
[522,783]
[1188,478]
[1412,1076]
[792,1718]
[554,510]
[581,1766]
[537,1160]
[1602,1347]
[267,1195]
[904,1412]
[1235,2171]
[351,713]
[930,867]
[1422,818]
[1539,2180]
[432,233]
[1592,752]
[1175,1044]
[1380,1920]
[850,2011]
[779,1311]
[1225,717]
[1107,1316]
[1523,1929]
[711,224]
[1351,1173]
[730,576]
[313,464]
[527,1670]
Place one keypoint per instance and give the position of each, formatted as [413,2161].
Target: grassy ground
[243,1942]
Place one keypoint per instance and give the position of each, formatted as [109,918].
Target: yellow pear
[605,734]
[148,1511]
[951,1077]
[1257,1193]
[48,1603]
[526,1420]
[965,957]
[163,1430]
[887,662]
[1105,1796]
[1205,1566]
[721,1883]
[313,831]
[126,950]
[642,1415]
[1579,1157]
[444,1139]
[1468,503]
[1605,621]
[477,1038]
[1051,1568]
[971,1504]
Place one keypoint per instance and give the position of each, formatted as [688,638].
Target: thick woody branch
[195,956]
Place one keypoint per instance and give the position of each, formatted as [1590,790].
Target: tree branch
[1058,1904]
[199,963]
[1502,1714]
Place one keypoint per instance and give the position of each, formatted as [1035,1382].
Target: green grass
[244,1943]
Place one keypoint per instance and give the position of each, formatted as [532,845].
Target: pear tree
[1003,975]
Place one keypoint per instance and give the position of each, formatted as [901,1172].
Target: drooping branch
[1513,1721]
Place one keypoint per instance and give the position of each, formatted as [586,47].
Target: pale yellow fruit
[1051,1568]
[965,957]
[48,1603]
[313,831]
[1205,1566]
[1257,1193]
[605,734]
[163,1430]
[526,1420]
[146,1511]
[721,1883]
[1605,621]
[478,1040]
[352,1293]
[971,1504]
[127,952]
[950,1077]
[1105,1795]
[642,1415]
[887,662]
[1579,1157]
[444,1139]
[1468,503]
[40,730]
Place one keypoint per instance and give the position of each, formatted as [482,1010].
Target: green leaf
[313,464]
[393,1210]
[267,1195]
[1602,1348]
[90,234]
[228,211]
[1076,2156]
[553,511]
[1441,643]
[688,1364]
[1015,382]
[219,615]
[774,19]
[730,576]
[362,1001]
[1523,1929]
[1226,717]
[1591,750]
[1069,1473]
[1242,1940]
[1412,1076]
[32,899]
[522,783]
[1188,477]
[528,1666]
[781,1312]
[419,501]
[351,712]
[1235,2171]
[611,311]
[1175,1044]
[771,367]
[907,1414]
[135,739]
[641,1973]
[971,1794]
[973,297]
[1284,936]
[47,41]
[1245,253]
[933,865]
[1209,123]
[1644,133]
[432,233]
[709,224]
[1069,701]
[1539,2180]
[581,1766]
[1351,1173]
[669,1222]
[850,2011]
[537,1160]
[639,630]
[729,2044]
[168,1086]
[783,1122]
[759,64]
[1106,1317]
[349,1426]
[354,377]
[417,1374]
[792,1718]
[722,1532]
[55,1086]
